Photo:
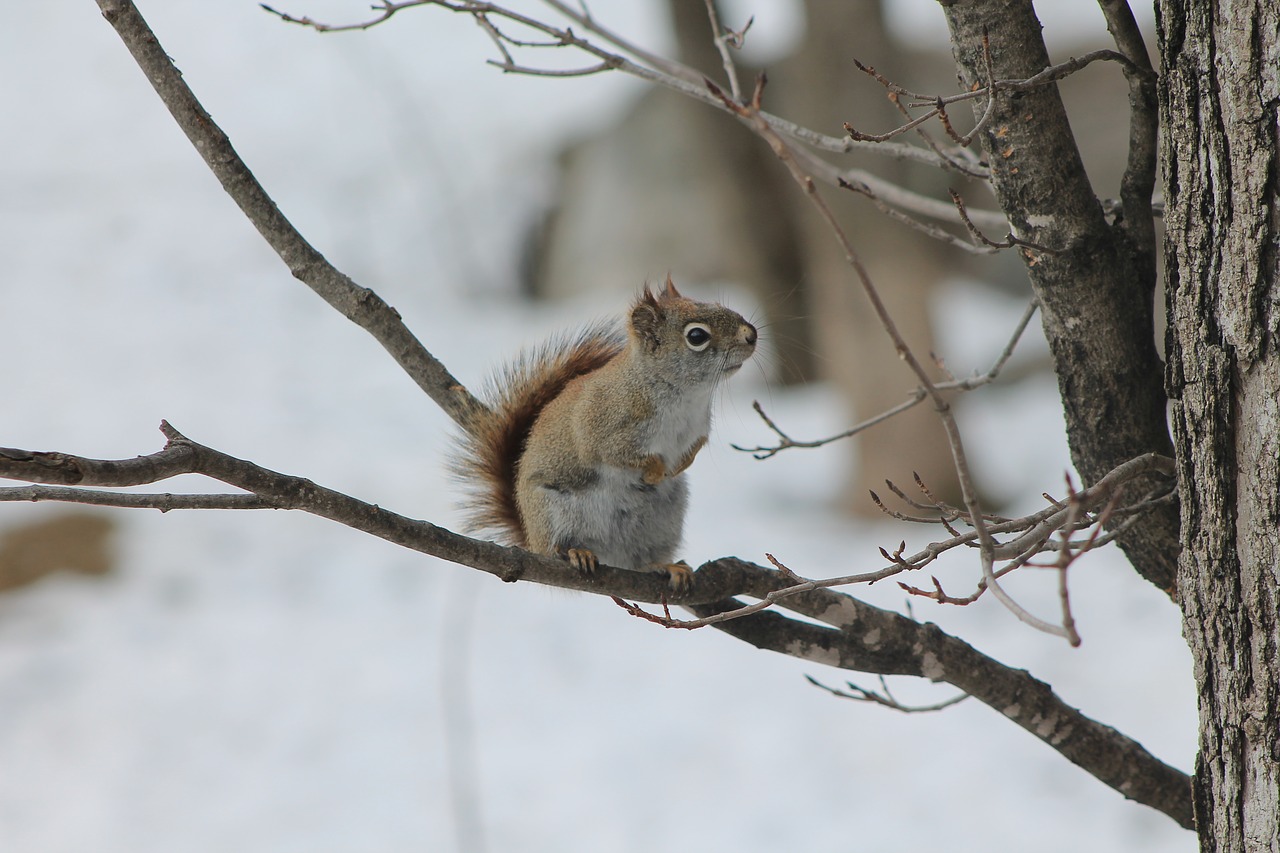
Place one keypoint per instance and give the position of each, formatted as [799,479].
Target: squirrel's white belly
[678,424]
[624,522]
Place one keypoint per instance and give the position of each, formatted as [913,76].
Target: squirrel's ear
[671,292]
[646,320]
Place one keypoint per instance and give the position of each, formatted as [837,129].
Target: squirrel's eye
[697,336]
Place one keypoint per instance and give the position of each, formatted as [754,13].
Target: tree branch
[132,500]
[938,103]
[358,304]
[65,469]
[859,637]
[866,639]
[916,397]
[180,455]
[885,697]
[750,113]
[1026,537]
[688,81]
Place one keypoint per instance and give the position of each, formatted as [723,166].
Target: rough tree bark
[1095,288]
[1219,137]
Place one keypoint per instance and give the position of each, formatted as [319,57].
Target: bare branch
[901,516]
[989,578]
[1007,243]
[938,103]
[587,23]
[900,645]
[271,489]
[496,37]
[586,71]
[917,396]
[821,141]
[725,40]
[805,182]
[687,81]
[1100,750]
[785,441]
[891,193]
[961,159]
[133,500]
[61,468]
[959,458]
[885,137]
[884,698]
[358,304]
[923,227]
[387,10]
[1031,535]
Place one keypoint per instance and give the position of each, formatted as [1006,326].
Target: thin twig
[662,64]
[938,103]
[916,397]
[925,228]
[497,39]
[1009,242]
[687,81]
[388,9]
[723,40]
[586,71]
[885,698]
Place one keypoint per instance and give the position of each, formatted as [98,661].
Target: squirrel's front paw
[583,560]
[681,575]
[654,470]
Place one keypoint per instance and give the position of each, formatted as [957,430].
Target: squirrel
[583,453]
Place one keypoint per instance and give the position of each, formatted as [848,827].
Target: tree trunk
[1219,96]
[1095,286]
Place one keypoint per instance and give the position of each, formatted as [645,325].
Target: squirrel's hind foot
[585,561]
[581,559]
[680,573]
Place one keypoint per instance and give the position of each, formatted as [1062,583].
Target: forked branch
[1015,540]
[938,103]
[917,396]
[853,635]
[631,59]
[884,697]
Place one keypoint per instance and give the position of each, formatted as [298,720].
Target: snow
[273,682]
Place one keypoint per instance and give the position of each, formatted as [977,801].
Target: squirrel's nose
[747,333]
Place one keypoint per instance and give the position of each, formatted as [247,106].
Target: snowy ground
[272,682]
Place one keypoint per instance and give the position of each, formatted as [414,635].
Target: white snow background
[268,681]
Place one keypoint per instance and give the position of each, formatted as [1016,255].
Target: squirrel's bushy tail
[516,395]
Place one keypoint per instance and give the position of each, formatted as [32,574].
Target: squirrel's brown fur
[583,452]
[518,395]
